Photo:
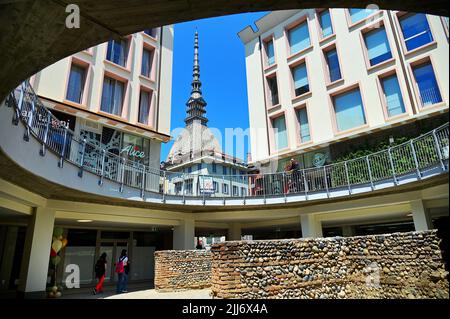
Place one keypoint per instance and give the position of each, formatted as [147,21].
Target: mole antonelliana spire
[196,104]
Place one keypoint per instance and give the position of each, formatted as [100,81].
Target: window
[243,191]
[199,167]
[349,110]
[427,84]
[117,51]
[299,38]
[76,84]
[216,186]
[144,107]
[392,95]
[377,45]
[234,171]
[224,169]
[279,126]
[189,186]
[359,14]
[112,96]
[146,68]
[242,172]
[270,51]
[189,169]
[273,88]
[151,32]
[334,70]
[325,23]
[300,76]
[214,168]
[225,188]
[302,116]
[416,31]
[235,191]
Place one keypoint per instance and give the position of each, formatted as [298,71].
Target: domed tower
[196,139]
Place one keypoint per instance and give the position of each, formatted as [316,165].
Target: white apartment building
[323,82]
[116,95]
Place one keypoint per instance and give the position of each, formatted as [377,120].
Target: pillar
[311,227]
[36,254]
[183,235]
[422,220]
[6,265]
[234,232]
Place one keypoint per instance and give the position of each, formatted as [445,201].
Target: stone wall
[407,265]
[182,269]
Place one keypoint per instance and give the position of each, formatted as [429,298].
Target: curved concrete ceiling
[33,33]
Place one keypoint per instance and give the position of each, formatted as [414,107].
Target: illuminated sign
[133,151]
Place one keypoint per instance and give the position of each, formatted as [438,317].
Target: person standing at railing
[292,168]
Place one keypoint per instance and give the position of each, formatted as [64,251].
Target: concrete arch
[33,34]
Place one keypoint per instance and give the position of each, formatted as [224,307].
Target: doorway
[113,249]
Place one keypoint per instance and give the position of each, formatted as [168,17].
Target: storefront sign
[319,159]
[55,123]
[133,151]
[206,185]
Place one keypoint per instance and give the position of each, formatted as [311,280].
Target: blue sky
[222,72]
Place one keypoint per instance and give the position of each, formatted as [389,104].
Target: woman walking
[100,271]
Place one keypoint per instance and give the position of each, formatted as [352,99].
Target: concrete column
[234,232]
[347,231]
[36,254]
[422,220]
[183,235]
[310,226]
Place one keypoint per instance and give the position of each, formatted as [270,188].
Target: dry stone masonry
[399,265]
[182,269]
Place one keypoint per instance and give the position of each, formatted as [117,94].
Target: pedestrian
[100,271]
[120,270]
[125,275]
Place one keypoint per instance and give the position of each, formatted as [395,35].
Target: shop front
[84,247]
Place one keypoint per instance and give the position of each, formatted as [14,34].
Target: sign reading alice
[133,151]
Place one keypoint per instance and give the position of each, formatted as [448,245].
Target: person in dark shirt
[100,271]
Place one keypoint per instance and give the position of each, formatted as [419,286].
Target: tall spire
[196,104]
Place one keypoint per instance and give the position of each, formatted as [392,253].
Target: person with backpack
[100,271]
[121,274]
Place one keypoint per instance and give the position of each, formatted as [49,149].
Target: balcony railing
[417,156]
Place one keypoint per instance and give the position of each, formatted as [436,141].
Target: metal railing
[416,156]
